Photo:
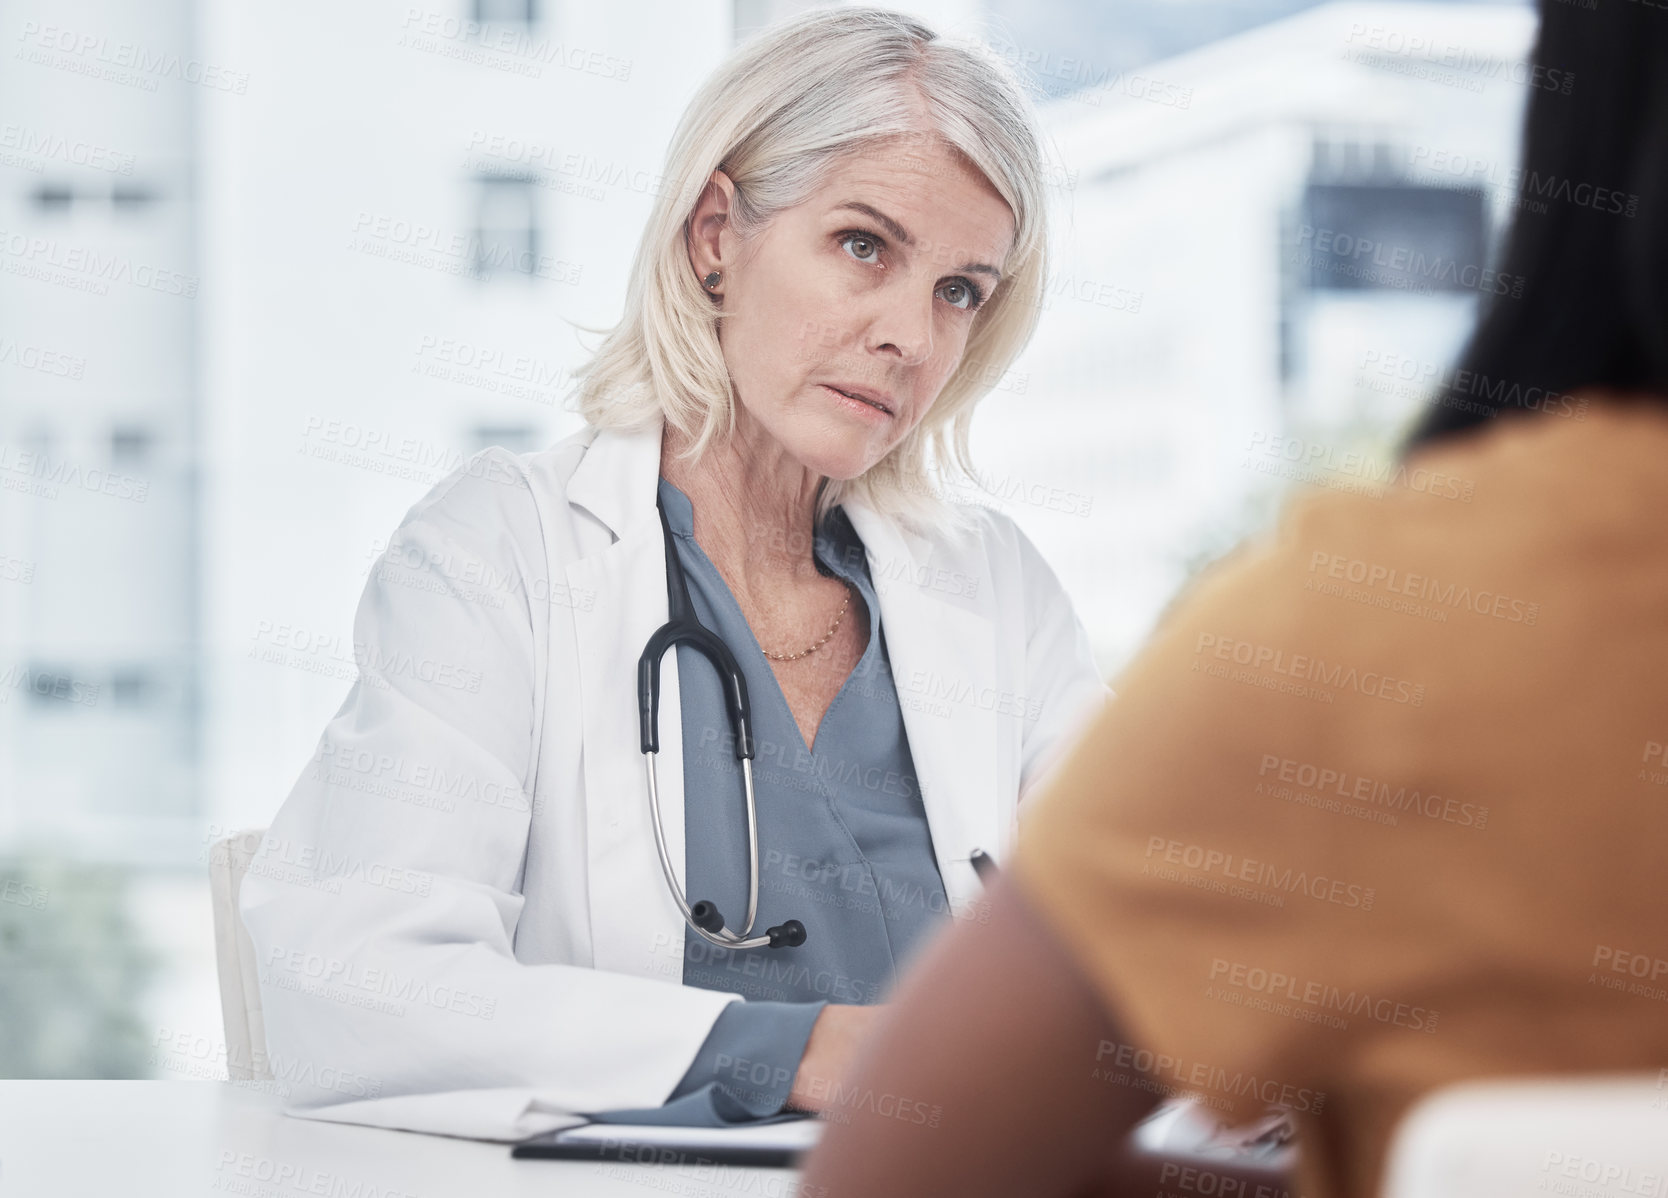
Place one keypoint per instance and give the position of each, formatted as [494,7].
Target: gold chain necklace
[819,644]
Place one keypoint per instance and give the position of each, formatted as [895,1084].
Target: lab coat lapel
[636,926]
[943,659]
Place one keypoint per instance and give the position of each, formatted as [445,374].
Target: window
[123,197]
[517,438]
[129,197]
[1405,237]
[52,689]
[750,16]
[129,445]
[507,12]
[506,225]
[53,197]
[132,687]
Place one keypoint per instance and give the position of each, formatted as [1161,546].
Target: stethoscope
[684,626]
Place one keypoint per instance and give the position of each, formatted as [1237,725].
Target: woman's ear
[707,224]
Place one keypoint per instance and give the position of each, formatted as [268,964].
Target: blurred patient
[1383,805]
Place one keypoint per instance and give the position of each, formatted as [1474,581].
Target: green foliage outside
[74,969]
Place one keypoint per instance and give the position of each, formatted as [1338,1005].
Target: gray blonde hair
[777,116]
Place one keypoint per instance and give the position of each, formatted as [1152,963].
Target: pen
[983,866]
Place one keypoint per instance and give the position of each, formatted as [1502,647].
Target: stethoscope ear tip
[786,935]
[707,916]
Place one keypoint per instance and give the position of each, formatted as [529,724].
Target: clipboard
[767,1146]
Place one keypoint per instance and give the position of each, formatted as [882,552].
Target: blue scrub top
[844,845]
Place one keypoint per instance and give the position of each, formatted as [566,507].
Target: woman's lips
[860,405]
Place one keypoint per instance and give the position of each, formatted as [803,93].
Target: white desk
[174,1139]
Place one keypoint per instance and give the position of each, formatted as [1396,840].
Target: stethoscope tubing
[684,627]
[723,936]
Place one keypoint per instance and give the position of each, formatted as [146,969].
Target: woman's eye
[869,244]
[960,295]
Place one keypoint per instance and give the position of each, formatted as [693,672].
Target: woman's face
[872,284]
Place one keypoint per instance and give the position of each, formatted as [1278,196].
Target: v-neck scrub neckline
[831,541]
[843,837]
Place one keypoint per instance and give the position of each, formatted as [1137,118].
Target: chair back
[1599,1134]
[234,958]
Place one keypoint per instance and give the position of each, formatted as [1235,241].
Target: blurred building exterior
[1270,250]
[101,589]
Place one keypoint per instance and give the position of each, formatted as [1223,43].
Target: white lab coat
[479,970]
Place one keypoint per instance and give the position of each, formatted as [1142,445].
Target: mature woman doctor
[462,915]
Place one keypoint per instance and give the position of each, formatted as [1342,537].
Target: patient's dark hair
[1593,311]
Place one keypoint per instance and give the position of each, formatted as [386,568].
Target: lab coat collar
[942,649]
[616,482]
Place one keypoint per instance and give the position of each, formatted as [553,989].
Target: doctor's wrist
[836,1038]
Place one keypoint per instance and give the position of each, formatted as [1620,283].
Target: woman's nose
[905,325]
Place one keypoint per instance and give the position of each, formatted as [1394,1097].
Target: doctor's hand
[836,1037]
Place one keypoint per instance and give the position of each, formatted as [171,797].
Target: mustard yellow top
[1383,804]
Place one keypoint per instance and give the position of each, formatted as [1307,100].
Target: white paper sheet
[796,1135]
